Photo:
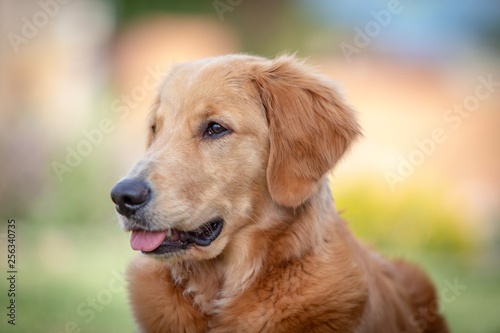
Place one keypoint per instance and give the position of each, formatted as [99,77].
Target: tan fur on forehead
[206,85]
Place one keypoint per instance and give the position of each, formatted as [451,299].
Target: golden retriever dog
[232,211]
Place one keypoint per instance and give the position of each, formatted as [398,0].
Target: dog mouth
[173,240]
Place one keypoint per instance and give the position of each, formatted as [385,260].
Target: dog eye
[215,130]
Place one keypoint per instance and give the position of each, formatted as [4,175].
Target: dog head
[227,135]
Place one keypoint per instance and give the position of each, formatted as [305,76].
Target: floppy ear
[310,128]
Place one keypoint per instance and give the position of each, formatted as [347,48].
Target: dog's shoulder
[324,290]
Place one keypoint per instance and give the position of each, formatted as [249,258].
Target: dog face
[228,136]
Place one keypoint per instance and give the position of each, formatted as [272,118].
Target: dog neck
[291,232]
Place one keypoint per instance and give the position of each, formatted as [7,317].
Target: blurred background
[77,78]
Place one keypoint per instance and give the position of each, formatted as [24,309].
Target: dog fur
[284,261]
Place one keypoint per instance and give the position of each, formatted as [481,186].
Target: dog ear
[310,128]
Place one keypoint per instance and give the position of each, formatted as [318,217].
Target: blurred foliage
[127,10]
[411,219]
[263,26]
[82,196]
[64,277]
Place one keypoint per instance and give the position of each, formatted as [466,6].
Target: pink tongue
[146,240]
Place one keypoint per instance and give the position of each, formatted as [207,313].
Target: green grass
[71,278]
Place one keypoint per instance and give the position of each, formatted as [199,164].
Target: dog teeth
[169,233]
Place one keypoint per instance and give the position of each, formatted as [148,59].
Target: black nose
[129,195]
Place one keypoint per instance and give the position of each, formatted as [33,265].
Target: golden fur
[284,261]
